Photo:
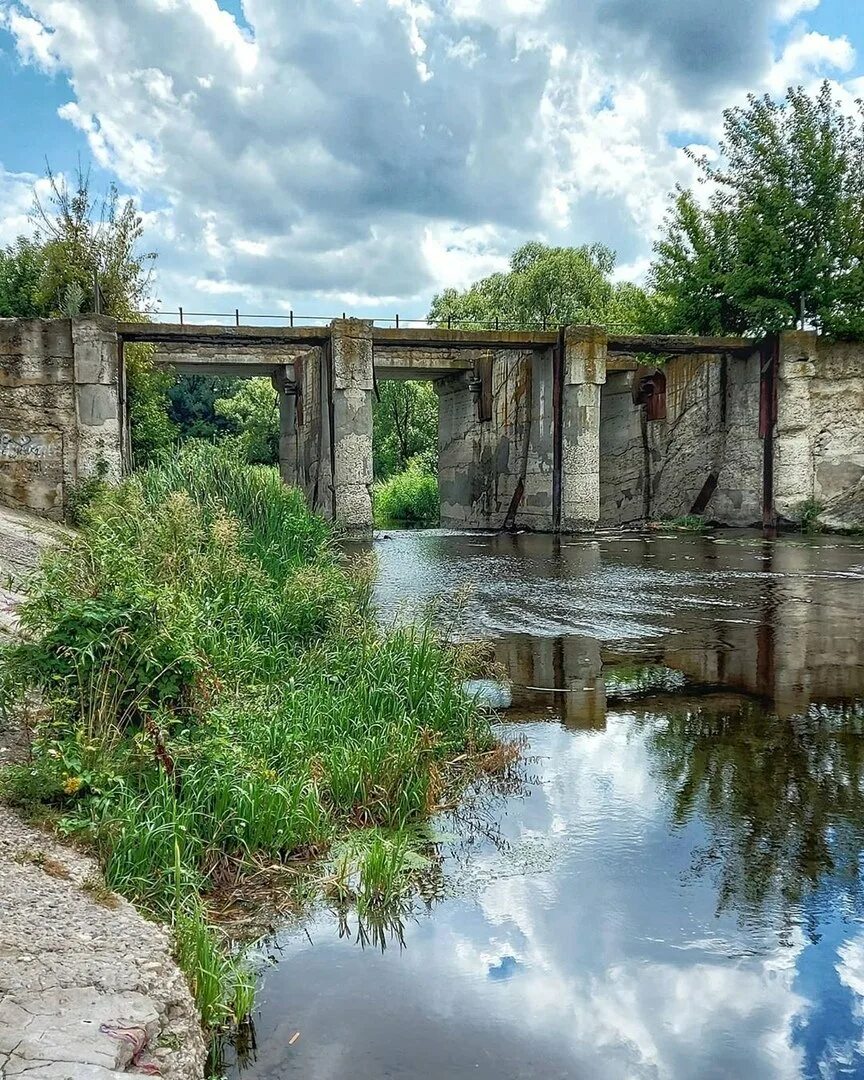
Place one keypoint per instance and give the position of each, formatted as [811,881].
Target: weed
[693,523]
[222,985]
[808,517]
[51,866]
[98,891]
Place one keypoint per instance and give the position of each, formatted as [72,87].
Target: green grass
[808,517]
[693,523]
[217,698]
[408,498]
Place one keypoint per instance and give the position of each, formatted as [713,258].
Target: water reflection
[669,884]
[783,803]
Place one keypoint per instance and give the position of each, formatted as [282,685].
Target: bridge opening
[405,453]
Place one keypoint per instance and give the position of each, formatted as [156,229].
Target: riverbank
[76,958]
[88,988]
[217,700]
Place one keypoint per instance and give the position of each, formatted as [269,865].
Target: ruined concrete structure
[554,431]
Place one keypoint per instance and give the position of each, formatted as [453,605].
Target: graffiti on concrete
[29,447]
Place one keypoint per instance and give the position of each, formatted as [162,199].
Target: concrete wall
[480,462]
[60,409]
[652,469]
[326,427]
[819,457]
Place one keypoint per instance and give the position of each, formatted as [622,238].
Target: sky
[324,156]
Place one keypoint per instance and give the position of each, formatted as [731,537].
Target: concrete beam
[433,338]
[280,337]
[677,344]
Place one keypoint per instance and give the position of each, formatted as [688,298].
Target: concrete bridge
[555,431]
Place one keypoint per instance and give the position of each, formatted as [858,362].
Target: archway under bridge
[538,429]
[519,412]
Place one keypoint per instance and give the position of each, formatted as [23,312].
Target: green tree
[405,426]
[781,235]
[193,404]
[22,266]
[546,286]
[253,414]
[84,236]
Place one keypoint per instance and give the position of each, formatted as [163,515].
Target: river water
[670,883]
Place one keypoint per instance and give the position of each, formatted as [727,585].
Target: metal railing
[291,318]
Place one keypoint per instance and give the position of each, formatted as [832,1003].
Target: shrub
[409,497]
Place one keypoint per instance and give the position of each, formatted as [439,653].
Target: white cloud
[807,57]
[383,149]
[789,9]
[16,199]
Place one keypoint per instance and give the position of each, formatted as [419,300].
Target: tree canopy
[77,236]
[781,235]
[405,426]
[546,286]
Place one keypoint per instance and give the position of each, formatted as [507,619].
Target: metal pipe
[557,428]
[769,361]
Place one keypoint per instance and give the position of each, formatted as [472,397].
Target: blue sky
[363,154]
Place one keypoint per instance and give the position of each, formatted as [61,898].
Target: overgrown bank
[215,696]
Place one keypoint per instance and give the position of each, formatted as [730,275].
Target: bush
[410,497]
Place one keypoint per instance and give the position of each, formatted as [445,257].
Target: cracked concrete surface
[69,964]
[73,956]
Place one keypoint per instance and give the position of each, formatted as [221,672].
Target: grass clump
[408,498]
[216,697]
[808,515]
[692,523]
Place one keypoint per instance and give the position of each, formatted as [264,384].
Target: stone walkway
[85,980]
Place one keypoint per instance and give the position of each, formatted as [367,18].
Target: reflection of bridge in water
[584,625]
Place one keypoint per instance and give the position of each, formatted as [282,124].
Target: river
[669,884]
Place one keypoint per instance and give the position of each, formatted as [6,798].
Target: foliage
[153,432]
[782,801]
[546,287]
[22,266]
[252,412]
[808,516]
[781,236]
[694,523]
[193,401]
[218,697]
[410,497]
[405,424]
[83,235]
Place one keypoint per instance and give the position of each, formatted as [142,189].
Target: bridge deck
[283,338]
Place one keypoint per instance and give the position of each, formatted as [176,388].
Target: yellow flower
[72,784]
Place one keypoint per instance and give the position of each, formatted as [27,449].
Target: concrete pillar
[98,409]
[459,440]
[350,393]
[286,390]
[584,374]
[794,479]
